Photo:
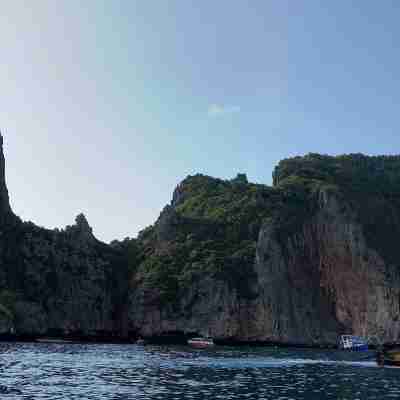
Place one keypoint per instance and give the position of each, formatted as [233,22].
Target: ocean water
[77,371]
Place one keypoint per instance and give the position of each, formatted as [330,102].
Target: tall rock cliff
[340,265]
[306,260]
[63,281]
[5,209]
[311,258]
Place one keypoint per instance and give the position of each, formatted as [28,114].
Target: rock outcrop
[56,280]
[303,262]
[306,260]
[5,209]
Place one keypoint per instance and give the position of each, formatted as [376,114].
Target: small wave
[7,390]
[240,363]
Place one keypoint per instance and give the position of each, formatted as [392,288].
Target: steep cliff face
[320,255]
[340,267]
[324,280]
[56,281]
[197,270]
[310,258]
[5,209]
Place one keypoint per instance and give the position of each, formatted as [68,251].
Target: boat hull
[200,344]
[352,343]
[363,347]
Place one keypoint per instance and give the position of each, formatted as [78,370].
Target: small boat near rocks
[141,342]
[201,342]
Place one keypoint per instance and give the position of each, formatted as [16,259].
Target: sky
[106,106]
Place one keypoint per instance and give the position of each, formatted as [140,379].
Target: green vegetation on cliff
[208,237]
[64,280]
[210,229]
[356,172]
[370,185]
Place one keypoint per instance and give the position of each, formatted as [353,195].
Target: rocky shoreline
[171,339]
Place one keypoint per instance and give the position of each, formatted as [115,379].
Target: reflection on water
[120,372]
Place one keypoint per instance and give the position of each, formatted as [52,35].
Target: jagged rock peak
[193,184]
[4,199]
[82,223]
[81,228]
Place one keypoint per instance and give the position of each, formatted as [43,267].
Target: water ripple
[72,371]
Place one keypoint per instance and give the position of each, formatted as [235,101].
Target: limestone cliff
[60,281]
[311,258]
[5,209]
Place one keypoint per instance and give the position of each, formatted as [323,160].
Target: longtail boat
[201,342]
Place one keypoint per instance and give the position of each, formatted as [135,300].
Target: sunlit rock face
[325,280]
[313,257]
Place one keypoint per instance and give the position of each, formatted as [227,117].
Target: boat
[353,343]
[201,342]
[141,342]
[389,354]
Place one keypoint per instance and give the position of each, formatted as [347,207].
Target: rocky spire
[4,199]
[83,225]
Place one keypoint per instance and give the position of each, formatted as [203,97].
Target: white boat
[351,342]
[201,342]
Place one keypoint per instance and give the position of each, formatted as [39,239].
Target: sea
[38,371]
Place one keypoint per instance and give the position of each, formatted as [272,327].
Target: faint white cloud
[219,109]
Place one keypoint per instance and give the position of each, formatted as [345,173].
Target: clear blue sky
[106,106]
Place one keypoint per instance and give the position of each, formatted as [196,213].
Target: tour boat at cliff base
[201,342]
[354,343]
